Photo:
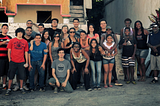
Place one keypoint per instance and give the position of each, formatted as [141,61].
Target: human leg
[92,64]
[98,66]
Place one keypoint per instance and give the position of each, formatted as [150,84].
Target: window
[44,16]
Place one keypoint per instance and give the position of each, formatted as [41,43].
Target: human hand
[43,66]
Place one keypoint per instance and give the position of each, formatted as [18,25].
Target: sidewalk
[141,94]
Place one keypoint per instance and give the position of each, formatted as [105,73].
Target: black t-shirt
[101,33]
[51,32]
[128,49]
[28,40]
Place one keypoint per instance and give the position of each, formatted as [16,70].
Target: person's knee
[51,84]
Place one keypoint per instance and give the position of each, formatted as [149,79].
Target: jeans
[36,65]
[98,65]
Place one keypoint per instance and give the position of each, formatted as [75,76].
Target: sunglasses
[72,32]
[56,36]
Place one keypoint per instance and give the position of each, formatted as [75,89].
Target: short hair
[128,19]
[29,28]
[76,19]
[4,25]
[102,20]
[55,19]
[19,30]
[29,20]
[83,32]
[71,28]
[41,24]
[37,35]
[127,28]
[76,43]
[60,49]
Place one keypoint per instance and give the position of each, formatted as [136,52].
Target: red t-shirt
[94,37]
[18,48]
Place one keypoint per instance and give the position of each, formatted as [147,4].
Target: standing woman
[108,59]
[84,41]
[68,42]
[79,61]
[142,48]
[64,33]
[92,34]
[46,40]
[96,60]
[53,47]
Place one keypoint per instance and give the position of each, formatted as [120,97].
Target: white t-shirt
[109,47]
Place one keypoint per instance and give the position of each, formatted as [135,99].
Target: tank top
[79,59]
[96,56]
[141,41]
[109,47]
[87,45]
[70,42]
[94,37]
[54,52]
[131,31]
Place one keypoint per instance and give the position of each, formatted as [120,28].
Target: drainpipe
[84,8]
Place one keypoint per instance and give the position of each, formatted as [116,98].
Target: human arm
[121,34]
[54,76]
[50,52]
[9,55]
[101,50]
[62,44]
[26,58]
[133,56]
[4,42]
[29,60]
[31,47]
[116,42]
[87,62]
[67,77]
[115,52]
[72,62]
[101,43]
[44,58]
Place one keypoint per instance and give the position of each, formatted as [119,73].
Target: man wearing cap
[154,43]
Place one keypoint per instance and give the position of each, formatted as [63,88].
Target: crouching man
[60,72]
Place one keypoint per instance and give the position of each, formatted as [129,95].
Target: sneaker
[118,84]
[127,82]
[22,91]
[154,81]
[94,88]
[55,90]
[61,89]
[134,82]
[8,92]
[16,88]
[42,89]
[4,88]
[31,90]
[90,89]
[25,87]
[98,88]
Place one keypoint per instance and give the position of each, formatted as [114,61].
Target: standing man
[17,48]
[78,30]
[54,28]
[29,23]
[37,59]
[61,72]
[4,39]
[103,24]
[41,28]
[154,44]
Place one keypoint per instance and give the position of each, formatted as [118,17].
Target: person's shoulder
[58,29]
[66,61]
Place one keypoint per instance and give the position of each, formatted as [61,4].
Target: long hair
[62,34]
[43,39]
[93,28]
[90,51]
[59,41]
[136,29]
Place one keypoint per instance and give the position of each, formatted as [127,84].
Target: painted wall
[11,4]
[30,12]
[118,10]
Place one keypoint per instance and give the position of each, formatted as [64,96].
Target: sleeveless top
[141,41]
[131,31]
[87,45]
[94,37]
[96,56]
[54,52]
[109,47]
[67,51]
[79,59]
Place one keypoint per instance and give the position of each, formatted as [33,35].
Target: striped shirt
[3,48]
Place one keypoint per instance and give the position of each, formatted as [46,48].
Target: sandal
[141,79]
[105,86]
[110,85]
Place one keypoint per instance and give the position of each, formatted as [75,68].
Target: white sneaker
[16,88]
[25,87]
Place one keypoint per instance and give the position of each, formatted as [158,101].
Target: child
[128,43]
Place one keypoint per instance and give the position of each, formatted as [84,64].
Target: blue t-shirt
[38,51]
[154,39]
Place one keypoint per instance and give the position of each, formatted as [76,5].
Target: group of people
[63,57]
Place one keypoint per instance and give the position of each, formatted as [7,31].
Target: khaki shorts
[155,62]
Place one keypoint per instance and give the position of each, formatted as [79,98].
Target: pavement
[141,94]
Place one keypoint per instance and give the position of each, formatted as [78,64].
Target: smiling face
[54,23]
[64,30]
[28,31]
[155,29]
[40,29]
[76,48]
[83,35]
[103,24]
[46,35]
[127,23]
[76,23]
[91,28]
[72,32]
[56,38]
[37,39]
[93,44]
[138,25]
[109,39]
[29,24]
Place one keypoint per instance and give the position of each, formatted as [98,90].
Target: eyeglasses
[76,46]
[29,23]
[72,32]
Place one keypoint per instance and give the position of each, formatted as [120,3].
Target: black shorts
[16,67]
[4,63]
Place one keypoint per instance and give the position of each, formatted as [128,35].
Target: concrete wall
[118,10]
[30,12]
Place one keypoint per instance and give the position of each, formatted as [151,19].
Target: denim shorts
[107,61]
[142,53]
